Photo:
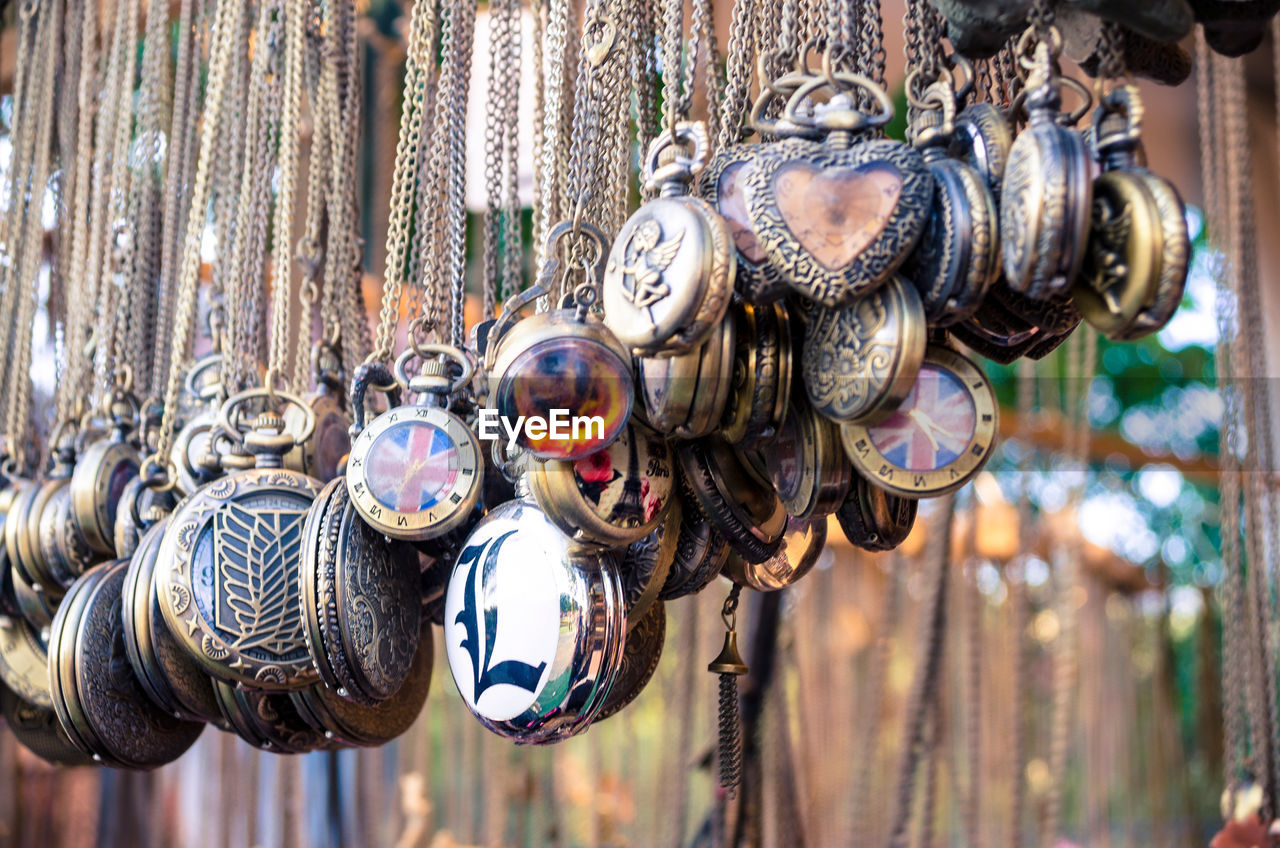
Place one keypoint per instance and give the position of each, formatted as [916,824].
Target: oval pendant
[859,362]
[361,600]
[939,438]
[521,583]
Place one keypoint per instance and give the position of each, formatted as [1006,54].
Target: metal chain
[501,221]
[553,141]
[738,68]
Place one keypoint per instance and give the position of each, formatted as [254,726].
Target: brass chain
[502,204]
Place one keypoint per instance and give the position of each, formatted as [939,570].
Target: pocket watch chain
[502,230]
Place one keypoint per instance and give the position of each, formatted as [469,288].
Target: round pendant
[645,564]
[686,395]
[700,554]
[97,696]
[640,658]
[165,670]
[196,453]
[321,454]
[29,508]
[361,600]
[63,548]
[24,661]
[873,519]
[415,472]
[750,516]
[723,183]
[556,361]
[38,730]
[348,723]
[807,465]
[805,540]
[958,257]
[534,626]
[940,437]
[100,477]
[859,362]
[836,221]
[229,581]
[611,498]
[982,138]
[1044,207]
[761,383]
[1174,261]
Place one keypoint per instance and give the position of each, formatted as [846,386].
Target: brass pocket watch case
[38,730]
[686,395]
[982,140]
[875,520]
[807,465]
[640,657]
[321,454]
[24,661]
[101,474]
[761,380]
[749,516]
[700,553]
[723,183]
[804,542]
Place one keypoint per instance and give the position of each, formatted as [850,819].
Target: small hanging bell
[729,661]
[729,665]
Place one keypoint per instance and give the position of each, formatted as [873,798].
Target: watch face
[411,465]
[934,425]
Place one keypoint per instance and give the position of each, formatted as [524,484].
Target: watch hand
[926,424]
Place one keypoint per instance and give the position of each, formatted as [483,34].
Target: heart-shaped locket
[836,218]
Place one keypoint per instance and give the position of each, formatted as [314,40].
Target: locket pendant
[520,582]
[416,471]
[860,361]
[101,474]
[1046,199]
[361,598]
[1135,269]
[228,565]
[723,183]
[670,272]
[837,217]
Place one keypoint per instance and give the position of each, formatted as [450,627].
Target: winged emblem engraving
[1110,239]
[256,555]
[480,646]
[647,256]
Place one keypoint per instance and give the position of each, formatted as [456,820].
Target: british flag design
[410,465]
[932,428]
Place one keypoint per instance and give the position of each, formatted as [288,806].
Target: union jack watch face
[938,439]
[415,472]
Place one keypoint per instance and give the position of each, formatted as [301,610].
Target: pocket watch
[165,669]
[749,516]
[640,656]
[761,381]
[860,361]
[141,495]
[416,471]
[38,730]
[1046,197]
[268,721]
[96,695]
[24,660]
[63,548]
[1135,268]
[611,498]
[669,275]
[645,564]
[958,256]
[361,600]
[321,454]
[227,577]
[804,542]
[101,473]
[686,395]
[700,553]
[982,140]
[723,183]
[34,605]
[22,536]
[875,520]
[534,626]
[1008,325]
[837,217]
[806,463]
[195,450]
[940,437]
[347,723]
[561,359]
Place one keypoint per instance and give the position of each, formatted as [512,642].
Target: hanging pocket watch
[939,438]
[723,183]
[640,658]
[22,527]
[645,564]
[958,257]
[982,140]
[101,474]
[564,359]
[700,552]
[761,384]
[611,498]
[807,464]
[837,217]
[361,600]
[686,395]
[416,471]
[804,542]
[1046,197]
[749,516]
[227,577]
[873,519]
[63,548]
[670,273]
[96,695]
[24,661]
[534,626]
[1136,265]
[1008,325]
[860,361]
[38,730]
[321,455]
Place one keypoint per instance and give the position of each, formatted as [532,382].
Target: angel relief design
[1106,271]
[647,256]
[256,556]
